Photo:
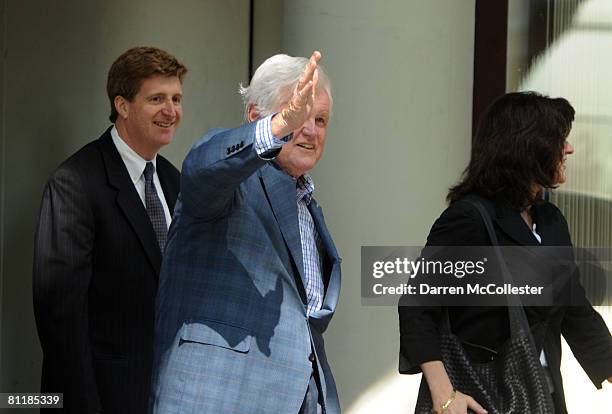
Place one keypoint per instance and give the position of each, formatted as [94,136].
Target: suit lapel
[128,200]
[317,217]
[511,223]
[333,287]
[548,227]
[281,193]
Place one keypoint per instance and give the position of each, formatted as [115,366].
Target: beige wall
[57,57]
[402,78]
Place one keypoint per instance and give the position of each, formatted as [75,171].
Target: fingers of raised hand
[309,70]
[305,93]
[315,81]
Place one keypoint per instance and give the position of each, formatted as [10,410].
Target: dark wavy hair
[519,143]
[135,65]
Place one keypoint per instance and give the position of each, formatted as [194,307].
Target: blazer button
[241,144]
[311,357]
[233,147]
[229,151]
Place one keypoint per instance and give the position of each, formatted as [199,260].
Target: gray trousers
[311,404]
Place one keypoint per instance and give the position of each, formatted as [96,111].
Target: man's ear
[252,112]
[121,106]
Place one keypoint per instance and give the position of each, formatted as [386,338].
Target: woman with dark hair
[518,152]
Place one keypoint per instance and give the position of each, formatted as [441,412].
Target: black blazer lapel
[128,200]
[551,225]
[511,223]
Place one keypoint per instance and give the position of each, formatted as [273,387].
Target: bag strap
[516,312]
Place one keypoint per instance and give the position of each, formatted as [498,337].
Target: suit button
[233,147]
[229,151]
[311,357]
[241,144]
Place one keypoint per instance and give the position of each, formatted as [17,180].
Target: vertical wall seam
[251,38]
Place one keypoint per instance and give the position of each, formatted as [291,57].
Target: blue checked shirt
[265,145]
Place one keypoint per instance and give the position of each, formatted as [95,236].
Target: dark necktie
[154,207]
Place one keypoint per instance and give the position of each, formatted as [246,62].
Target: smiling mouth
[163,124]
[306,146]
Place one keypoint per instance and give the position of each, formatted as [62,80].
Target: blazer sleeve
[459,225]
[61,276]
[215,167]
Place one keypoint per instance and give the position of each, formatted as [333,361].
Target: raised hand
[292,115]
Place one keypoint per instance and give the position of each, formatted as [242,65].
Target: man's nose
[309,127]
[169,108]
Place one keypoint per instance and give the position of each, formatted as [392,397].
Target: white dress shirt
[267,146]
[135,165]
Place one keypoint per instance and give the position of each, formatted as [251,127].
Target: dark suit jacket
[96,269]
[582,327]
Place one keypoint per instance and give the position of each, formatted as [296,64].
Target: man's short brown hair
[134,66]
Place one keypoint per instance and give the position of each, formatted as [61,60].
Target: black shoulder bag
[512,383]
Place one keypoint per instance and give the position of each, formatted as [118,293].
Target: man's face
[152,117]
[302,153]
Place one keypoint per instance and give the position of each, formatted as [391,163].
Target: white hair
[274,81]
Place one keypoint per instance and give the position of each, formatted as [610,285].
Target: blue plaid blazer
[231,332]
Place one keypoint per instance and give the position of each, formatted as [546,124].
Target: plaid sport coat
[232,334]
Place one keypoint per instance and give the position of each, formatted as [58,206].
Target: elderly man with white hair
[251,276]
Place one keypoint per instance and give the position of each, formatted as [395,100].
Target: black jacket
[582,327]
[96,269]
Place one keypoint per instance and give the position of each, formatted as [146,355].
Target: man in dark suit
[101,232]
[251,277]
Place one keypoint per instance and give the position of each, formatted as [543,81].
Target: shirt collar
[134,163]
[304,186]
